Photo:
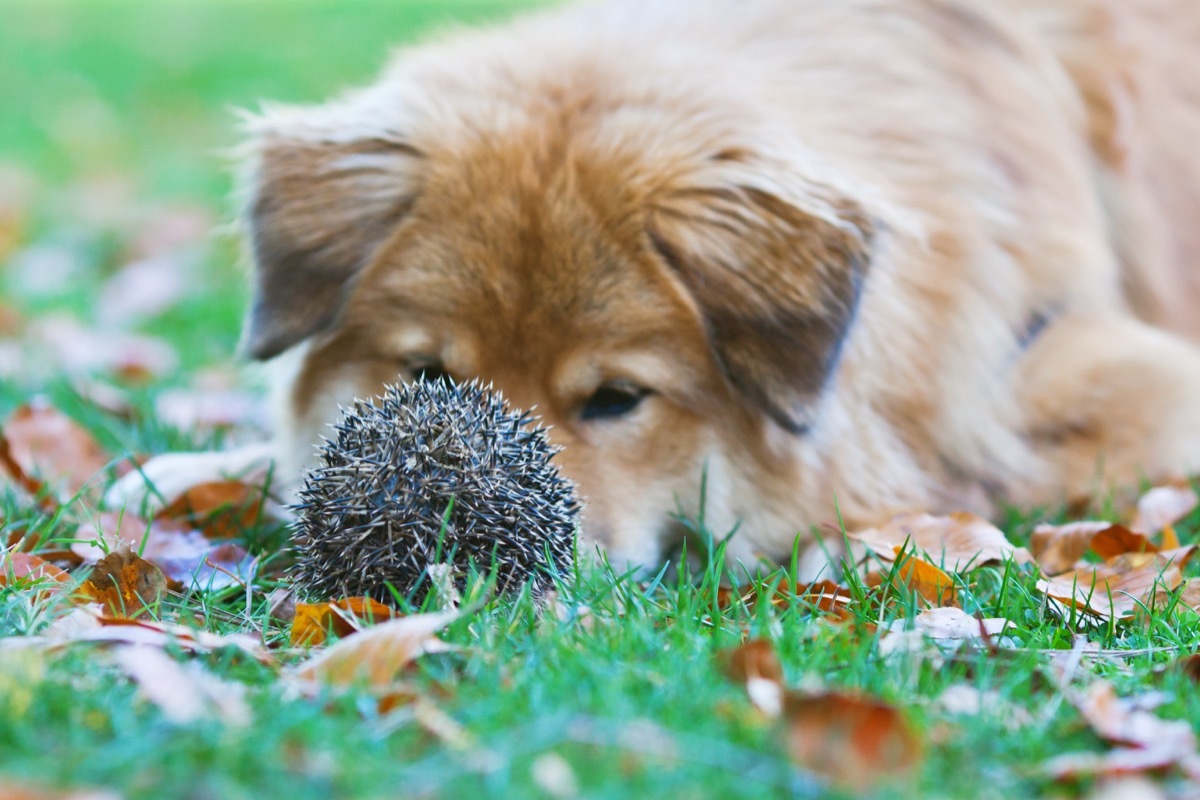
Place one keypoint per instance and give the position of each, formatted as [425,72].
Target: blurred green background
[116,122]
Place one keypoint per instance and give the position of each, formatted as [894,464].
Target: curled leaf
[124,583]
[376,656]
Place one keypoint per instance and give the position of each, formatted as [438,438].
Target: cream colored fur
[901,254]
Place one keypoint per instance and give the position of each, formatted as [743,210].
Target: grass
[135,94]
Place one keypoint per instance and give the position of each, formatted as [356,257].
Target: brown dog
[883,254]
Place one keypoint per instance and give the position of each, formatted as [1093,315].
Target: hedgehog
[433,473]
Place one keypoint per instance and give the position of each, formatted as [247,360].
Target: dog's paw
[164,478]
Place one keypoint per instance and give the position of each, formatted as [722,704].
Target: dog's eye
[429,372]
[612,400]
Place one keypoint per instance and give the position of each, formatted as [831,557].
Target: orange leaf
[124,583]
[44,441]
[856,741]
[1117,540]
[931,584]
[220,509]
[28,568]
[377,655]
[313,621]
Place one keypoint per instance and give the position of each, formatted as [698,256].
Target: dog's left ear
[775,264]
[319,207]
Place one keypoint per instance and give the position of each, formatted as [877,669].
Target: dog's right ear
[318,210]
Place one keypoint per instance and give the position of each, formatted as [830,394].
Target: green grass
[632,696]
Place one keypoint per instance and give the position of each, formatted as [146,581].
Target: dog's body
[893,254]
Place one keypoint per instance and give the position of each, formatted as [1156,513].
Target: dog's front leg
[164,478]
[1108,402]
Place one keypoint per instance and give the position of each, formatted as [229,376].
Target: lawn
[121,294]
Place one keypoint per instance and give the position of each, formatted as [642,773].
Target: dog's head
[666,299]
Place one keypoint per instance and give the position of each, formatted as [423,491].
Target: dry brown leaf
[88,624]
[954,623]
[855,741]
[1056,548]
[376,656]
[756,666]
[30,569]
[219,509]
[1163,506]
[957,542]
[124,583]
[1111,593]
[23,480]
[183,693]
[1144,740]
[314,621]
[45,442]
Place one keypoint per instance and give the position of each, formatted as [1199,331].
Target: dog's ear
[318,210]
[775,264]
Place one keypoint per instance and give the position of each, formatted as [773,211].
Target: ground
[120,303]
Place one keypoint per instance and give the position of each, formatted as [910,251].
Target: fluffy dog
[820,256]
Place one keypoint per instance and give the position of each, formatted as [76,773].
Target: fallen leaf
[1107,593]
[855,741]
[183,693]
[314,621]
[44,441]
[31,570]
[756,666]
[22,479]
[185,556]
[124,583]
[964,700]
[1144,740]
[1117,540]
[1057,548]
[376,656]
[1127,787]
[956,543]
[90,624]
[77,349]
[929,583]
[219,509]
[191,410]
[142,290]
[1163,506]
[954,623]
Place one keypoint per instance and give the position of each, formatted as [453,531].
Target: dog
[773,262]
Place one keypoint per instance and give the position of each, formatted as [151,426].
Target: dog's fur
[897,254]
